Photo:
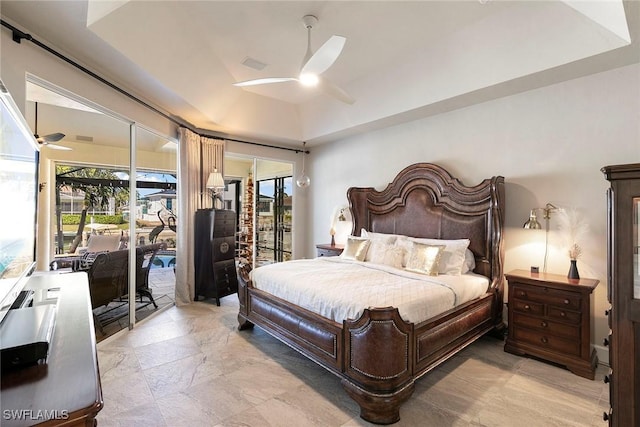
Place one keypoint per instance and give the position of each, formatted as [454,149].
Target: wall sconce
[215,185]
[533,224]
[340,225]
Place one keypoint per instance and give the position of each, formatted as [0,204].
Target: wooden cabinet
[549,317]
[328,250]
[214,256]
[64,391]
[623,292]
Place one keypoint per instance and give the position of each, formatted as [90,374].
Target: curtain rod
[18,36]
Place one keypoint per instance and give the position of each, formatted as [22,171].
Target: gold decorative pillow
[424,259]
[452,261]
[356,248]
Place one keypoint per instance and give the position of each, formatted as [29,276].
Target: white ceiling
[402,59]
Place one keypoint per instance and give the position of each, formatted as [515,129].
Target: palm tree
[95,196]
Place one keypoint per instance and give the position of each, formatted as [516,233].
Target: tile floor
[190,366]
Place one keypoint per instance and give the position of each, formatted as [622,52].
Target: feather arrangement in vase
[573,228]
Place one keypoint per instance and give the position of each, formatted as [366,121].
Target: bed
[379,354]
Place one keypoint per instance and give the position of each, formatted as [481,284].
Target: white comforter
[341,289]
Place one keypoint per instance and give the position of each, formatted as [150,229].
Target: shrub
[74,219]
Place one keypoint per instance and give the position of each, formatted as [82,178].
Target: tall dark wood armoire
[214,257]
[623,292]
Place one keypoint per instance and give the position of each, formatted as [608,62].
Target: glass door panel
[155,215]
[83,166]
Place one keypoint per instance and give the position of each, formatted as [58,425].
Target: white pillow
[469,262]
[452,260]
[379,243]
[372,235]
[385,253]
[405,245]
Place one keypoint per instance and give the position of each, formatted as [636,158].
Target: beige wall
[548,143]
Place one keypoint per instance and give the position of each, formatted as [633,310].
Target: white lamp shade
[215,180]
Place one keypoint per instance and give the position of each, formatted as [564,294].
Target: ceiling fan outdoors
[313,65]
[46,140]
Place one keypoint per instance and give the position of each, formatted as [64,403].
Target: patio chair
[84,257]
[108,276]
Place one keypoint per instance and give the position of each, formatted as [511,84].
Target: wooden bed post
[243,296]
[379,354]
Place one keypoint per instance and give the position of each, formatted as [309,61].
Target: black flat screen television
[18,201]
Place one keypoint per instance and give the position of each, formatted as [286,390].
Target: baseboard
[603,354]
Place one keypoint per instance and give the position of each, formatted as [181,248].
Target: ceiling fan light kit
[313,65]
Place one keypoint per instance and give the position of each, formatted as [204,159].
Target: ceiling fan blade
[331,89]
[53,137]
[266,80]
[325,56]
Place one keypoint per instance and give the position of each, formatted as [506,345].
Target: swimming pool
[164,259]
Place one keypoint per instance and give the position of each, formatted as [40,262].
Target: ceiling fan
[47,140]
[313,65]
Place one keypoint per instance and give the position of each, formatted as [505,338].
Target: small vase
[573,270]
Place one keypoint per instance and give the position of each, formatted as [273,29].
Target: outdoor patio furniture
[109,276]
[82,259]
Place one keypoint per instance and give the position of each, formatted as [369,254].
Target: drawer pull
[526,307]
[606,379]
[605,342]
[544,340]
[566,301]
[543,324]
[563,314]
[523,294]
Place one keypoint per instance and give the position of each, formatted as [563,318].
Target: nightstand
[549,318]
[328,250]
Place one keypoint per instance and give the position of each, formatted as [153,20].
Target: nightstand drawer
[326,252]
[554,328]
[547,341]
[548,296]
[528,307]
[566,315]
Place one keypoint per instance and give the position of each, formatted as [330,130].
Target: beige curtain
[198,157]
[212,158]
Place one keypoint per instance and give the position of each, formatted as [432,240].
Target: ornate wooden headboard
[424,200]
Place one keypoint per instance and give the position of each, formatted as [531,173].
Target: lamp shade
[215,180]
[532,223]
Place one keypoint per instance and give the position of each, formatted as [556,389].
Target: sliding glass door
[92,210]
[273,214]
